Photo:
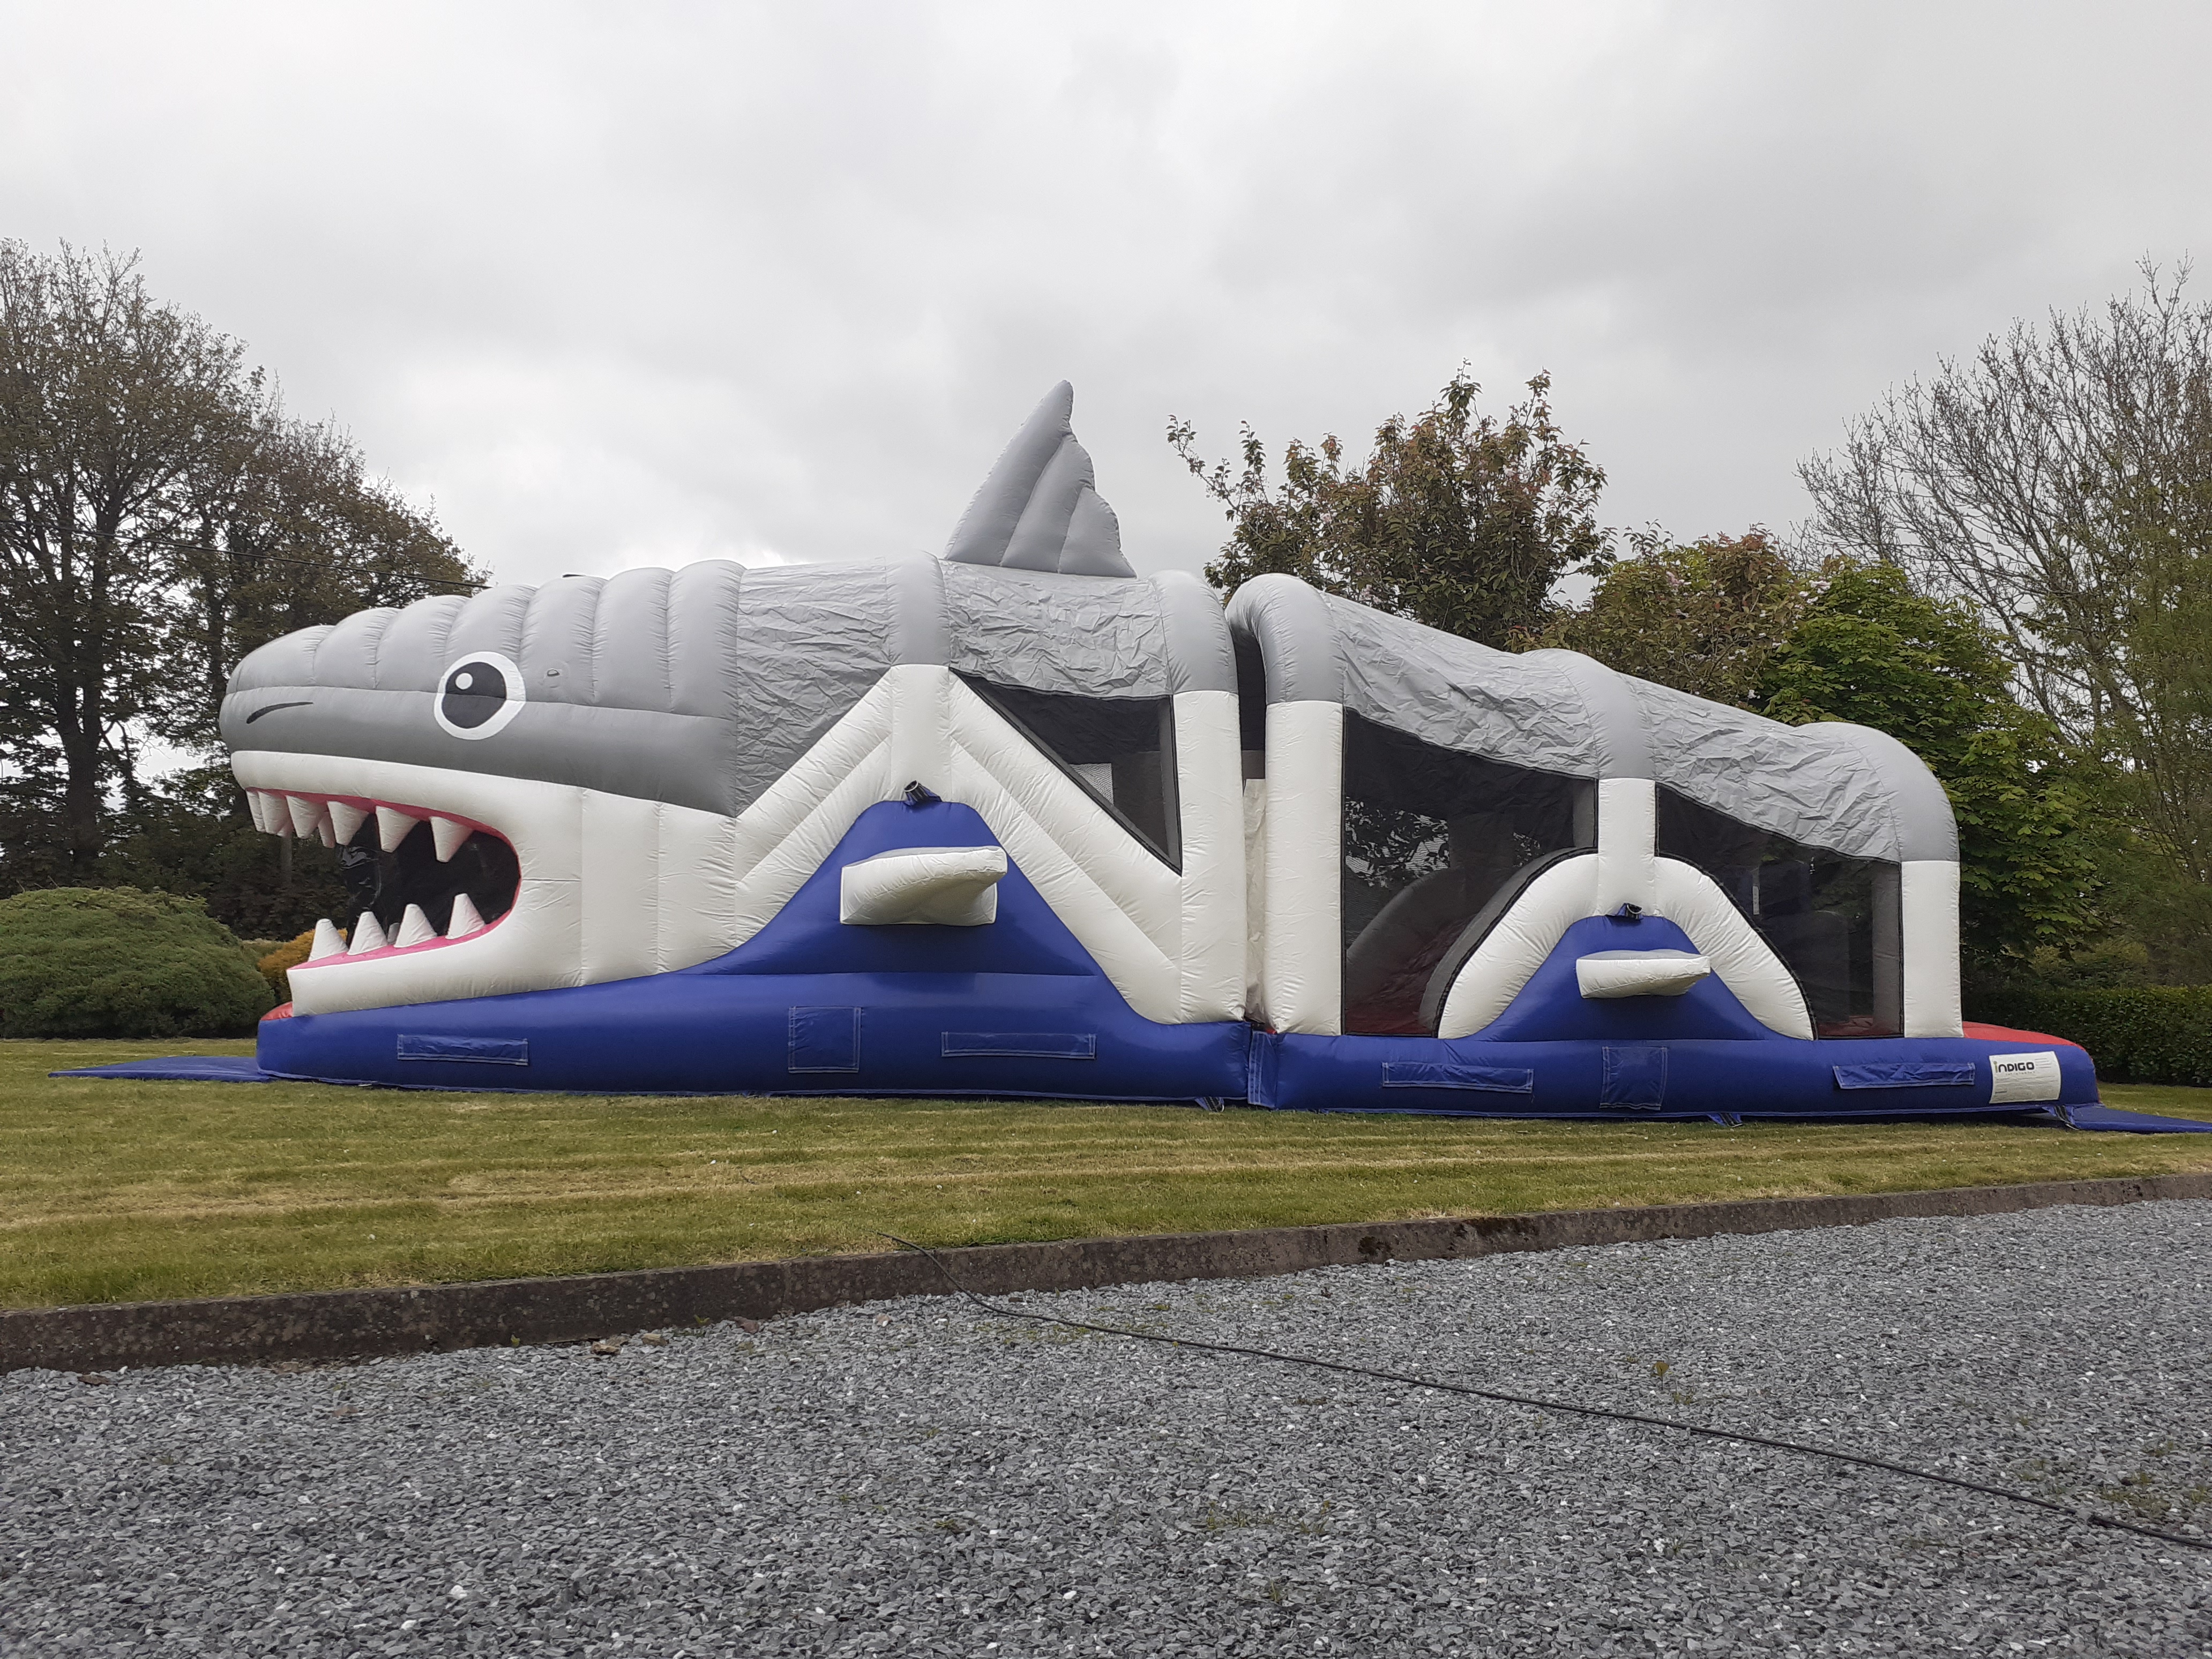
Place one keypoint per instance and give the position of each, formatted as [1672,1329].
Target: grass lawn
[118,1192]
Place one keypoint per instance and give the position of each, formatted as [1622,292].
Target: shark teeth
[447,834]
[403,879]
[392,827]
[346,818]
[338,822]
[415,929]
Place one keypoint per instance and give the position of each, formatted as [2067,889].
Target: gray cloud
[631,286]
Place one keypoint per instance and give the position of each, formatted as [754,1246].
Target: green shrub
[2135,1033]
[117,962]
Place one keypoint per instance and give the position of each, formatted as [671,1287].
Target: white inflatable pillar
[1304,954]
[1627,845]
[1929,904]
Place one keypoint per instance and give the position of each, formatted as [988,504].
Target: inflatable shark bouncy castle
[1016,821]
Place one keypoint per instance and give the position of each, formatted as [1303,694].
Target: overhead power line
[2079,1515]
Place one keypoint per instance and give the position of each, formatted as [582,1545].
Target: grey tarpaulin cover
[1458,694]
[1813,783]
[1098,638]
[1827,785]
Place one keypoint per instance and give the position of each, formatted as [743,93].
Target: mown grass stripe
[119,1191]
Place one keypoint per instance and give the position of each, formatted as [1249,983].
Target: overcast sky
[642,284]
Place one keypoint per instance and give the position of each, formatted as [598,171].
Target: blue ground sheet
[182,1068]
[2135,1123]
[241,1068]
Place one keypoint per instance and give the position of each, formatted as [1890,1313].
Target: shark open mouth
[419,880]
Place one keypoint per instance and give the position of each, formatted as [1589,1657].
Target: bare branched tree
[2061,479]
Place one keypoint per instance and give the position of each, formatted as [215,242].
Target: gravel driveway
[918,1477]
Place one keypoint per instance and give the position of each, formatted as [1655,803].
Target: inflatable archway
[1016,821]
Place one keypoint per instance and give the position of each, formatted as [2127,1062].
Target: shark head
[537,787]
[482,765]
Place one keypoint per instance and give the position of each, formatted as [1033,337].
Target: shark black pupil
[474,693]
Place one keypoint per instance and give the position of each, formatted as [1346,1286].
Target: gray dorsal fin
[1039,508]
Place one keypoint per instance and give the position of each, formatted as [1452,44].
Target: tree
[288,530]
[109,403]
[1461,520]
[1706,617]
[1929,673]
[159,515]
[2061,482]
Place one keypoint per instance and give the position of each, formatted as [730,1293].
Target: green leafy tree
[1706,616]
[1872,650]
[1462,520]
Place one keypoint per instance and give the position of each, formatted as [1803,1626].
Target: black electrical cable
[2092,1517]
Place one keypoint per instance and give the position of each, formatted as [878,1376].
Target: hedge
[77,961]
[2142,1034]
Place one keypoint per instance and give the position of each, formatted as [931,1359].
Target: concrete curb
[339,1324]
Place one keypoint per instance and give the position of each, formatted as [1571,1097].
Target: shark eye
[479,694]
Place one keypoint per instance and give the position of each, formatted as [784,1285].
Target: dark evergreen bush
[2137,1034]
[82,962]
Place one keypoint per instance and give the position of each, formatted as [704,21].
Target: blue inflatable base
[821,1033]
[233,1068]
[1835,1080]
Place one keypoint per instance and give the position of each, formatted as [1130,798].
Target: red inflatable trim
[2005,1034]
